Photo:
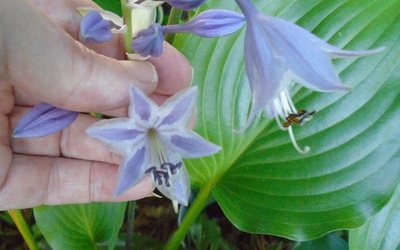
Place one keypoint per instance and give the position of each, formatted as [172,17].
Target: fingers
[34,181]
[6,105]
[60,71]
[174,70]
[64,14]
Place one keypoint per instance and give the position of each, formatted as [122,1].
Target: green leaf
[262,184]
[90,226]
[328,242]
[380,232]
[110,5]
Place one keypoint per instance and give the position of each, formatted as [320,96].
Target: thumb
[47,64]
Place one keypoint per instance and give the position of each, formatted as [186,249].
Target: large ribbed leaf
[262,184]
[382,231]
[89,226]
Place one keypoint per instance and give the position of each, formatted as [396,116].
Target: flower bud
[149,41]
[94,28]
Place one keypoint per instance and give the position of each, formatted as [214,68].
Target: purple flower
[44,119]
[278,53]
[93,28]
[210,23]
[153,141]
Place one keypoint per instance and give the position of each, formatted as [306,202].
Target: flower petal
[179,108]
[340,53]
[188,144]
[120,133]
[44,119]
[300,51]
[141,107]
[264,71]
[116,20]
[131,170]
[210,23]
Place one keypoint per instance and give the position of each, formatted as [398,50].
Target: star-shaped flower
[153,140]
[279,53]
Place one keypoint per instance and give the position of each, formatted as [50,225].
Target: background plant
[261,183]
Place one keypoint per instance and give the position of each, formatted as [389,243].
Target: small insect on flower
[299,118]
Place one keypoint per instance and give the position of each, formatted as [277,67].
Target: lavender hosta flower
[277,53]
[153,141]
[93,28]
[210,23]
[44,119]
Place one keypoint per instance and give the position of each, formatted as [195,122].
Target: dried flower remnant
[279,53]
[153,141]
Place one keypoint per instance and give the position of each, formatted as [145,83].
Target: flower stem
[23,228]
[174,18]
[194,211]
[127,16]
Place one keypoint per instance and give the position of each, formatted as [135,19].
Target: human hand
[41,61]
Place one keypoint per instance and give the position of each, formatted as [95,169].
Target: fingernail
[143,74]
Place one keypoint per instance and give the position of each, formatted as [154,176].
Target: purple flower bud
[44,119]
[94,28]
[185,4]
[210,23]
[149,41]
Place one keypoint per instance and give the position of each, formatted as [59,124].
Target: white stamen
[157,155]
[175,205]
[278,121]
[278,109]
[153,177]
[293,108]
[154,195]
[284,106]
[295,145]
[169,171]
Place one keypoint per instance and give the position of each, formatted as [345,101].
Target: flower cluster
[153,139]
[211,23]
